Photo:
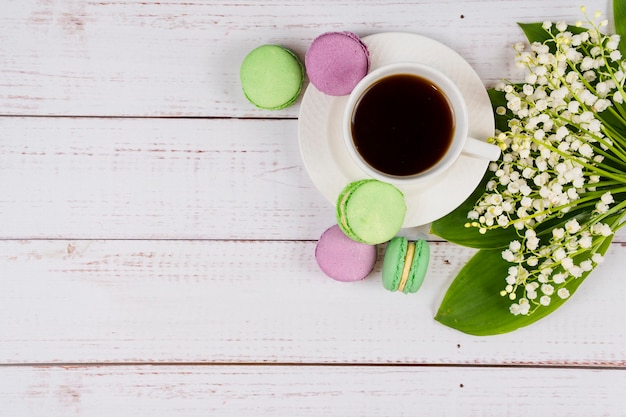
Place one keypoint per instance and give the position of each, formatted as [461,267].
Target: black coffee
[402,125]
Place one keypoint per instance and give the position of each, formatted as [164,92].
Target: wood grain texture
[260,302]
[137,58]
[78,178]
[156,252]
[156,178]
[310,391]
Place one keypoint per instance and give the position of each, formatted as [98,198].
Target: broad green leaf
[473,303]
[619,19]
[535,32]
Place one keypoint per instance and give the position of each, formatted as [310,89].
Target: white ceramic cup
[460,143]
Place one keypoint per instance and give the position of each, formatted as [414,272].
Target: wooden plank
[138,58]
[82,178]
[156,178]
[165,266]
[267,302]
[310,391]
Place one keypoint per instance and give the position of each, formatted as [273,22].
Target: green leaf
[536,33]
[473,303]
[498,99]
[619,19]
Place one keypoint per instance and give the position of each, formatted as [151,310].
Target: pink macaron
[342,258]
[336,61]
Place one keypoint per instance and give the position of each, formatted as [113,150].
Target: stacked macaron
[369,213]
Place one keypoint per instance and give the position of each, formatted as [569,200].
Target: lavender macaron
[343,259]
[336,61]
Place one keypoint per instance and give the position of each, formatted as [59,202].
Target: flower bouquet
[545,213]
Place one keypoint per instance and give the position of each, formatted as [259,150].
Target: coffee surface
[402,125]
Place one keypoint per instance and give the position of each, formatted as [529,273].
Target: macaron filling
[405,264]
[408,262]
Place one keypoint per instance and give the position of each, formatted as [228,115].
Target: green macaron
[271,77]
[370,211]
[405,264]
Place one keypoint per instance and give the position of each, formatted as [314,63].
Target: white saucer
[330,166]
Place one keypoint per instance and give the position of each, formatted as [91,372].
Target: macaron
[336,61]
[405,264]
[370,211]
[271,77]
[343,259]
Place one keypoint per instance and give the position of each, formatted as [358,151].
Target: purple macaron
[342,258]
[336,61]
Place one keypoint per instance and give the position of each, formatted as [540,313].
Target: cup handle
[481,149]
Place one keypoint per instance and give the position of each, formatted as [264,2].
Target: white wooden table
[157,231]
